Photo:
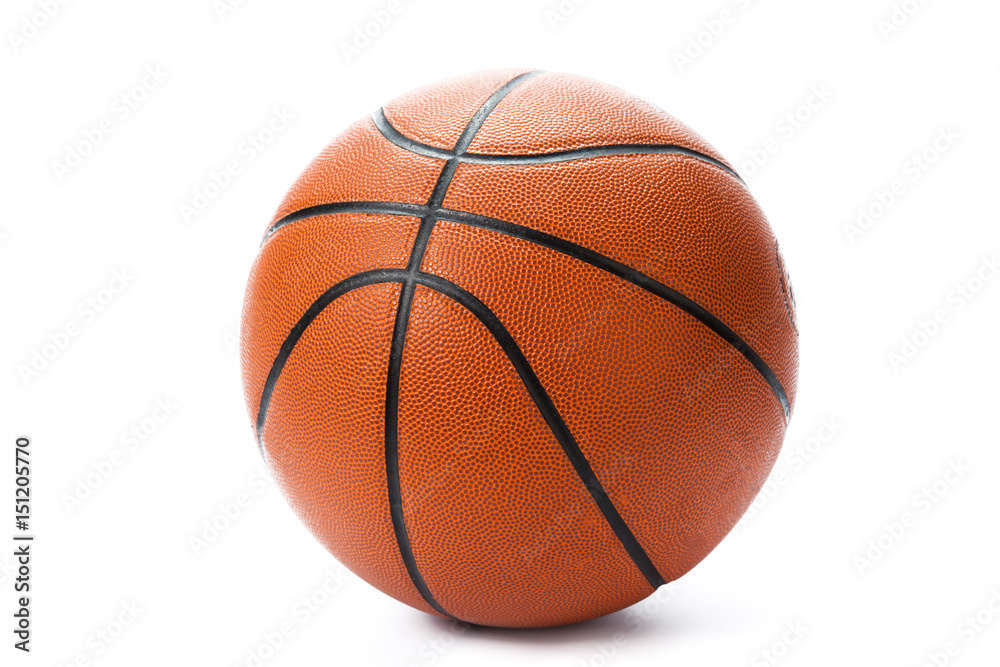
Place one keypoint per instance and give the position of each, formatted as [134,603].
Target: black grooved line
[398,138]
[521,365]
[384,208]
[325,299]
[585,255]
[399,334]
[392,443]
[635,277]
[412,276]
[552,417]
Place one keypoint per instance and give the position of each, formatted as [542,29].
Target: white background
[169,334]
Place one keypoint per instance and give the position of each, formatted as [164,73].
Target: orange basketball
[519,348]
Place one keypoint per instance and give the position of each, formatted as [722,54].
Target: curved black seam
[596,151]
[318,306]
[394,136]
[552,417]
[637,278]
[597,260]
[385,208]
[391,435]
[398,344]
[367,278]
[409,278]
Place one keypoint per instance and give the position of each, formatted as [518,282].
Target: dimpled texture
[661,442]
[495,457]
[437,114]
[561,112]
[712,243]
[521,355]
[360,164]
[330,466]
[326,250]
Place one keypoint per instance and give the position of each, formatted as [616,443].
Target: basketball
[519,348]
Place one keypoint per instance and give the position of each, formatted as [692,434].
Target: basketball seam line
[570,249]
[553,419]
[318,306]
[532,384]
[412,276]
[394,136]
[398,343]
[637,278]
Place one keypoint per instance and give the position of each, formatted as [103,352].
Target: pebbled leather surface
[665,411]
[495,510]
[326,412]
[358,165]
[679,220]
[679,428]
[555,112]
[437,114]
[298,263]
